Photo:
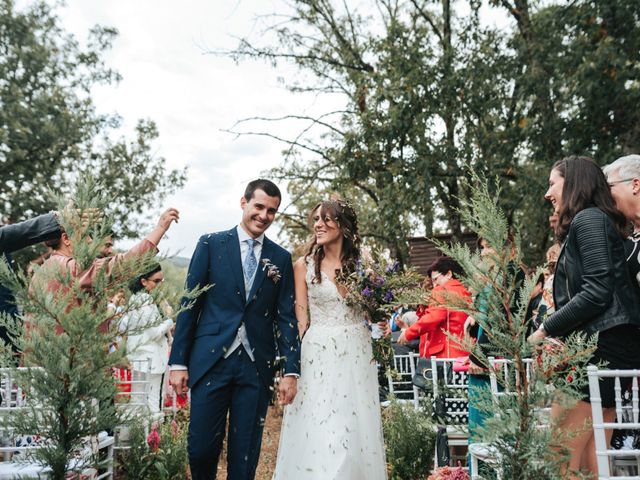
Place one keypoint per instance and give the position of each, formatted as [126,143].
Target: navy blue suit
[234,385]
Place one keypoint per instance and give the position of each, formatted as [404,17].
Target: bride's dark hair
[345,217]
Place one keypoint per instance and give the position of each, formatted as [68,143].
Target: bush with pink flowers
[449,473]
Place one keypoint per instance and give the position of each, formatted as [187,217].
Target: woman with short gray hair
[623,177]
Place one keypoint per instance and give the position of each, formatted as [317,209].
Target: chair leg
[474,467]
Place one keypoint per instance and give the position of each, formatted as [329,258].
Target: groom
[225,346]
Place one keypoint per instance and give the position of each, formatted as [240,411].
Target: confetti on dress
[333,430]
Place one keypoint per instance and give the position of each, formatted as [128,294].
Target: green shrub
[409,440]
[163,459]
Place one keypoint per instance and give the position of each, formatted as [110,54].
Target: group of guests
[591,285]
[147,348]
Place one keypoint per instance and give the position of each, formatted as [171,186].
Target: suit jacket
[432,326]
[205,331]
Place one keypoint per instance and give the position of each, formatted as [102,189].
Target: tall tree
[428,87]
[50,130]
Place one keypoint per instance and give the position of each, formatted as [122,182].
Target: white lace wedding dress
[332,430]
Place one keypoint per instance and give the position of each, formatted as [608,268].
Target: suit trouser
[231,387]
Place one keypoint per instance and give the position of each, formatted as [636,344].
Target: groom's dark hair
[267,186]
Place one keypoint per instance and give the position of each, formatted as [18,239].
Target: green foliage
[427,87]
[514,427]
[66,337]
[174,281]
[409,440]
[50,132]
[168,461]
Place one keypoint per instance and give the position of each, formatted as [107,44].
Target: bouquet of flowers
[378,286]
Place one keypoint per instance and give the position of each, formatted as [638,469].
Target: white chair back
[400,378]
[138,396]
[451,388]
[16,444]
[502,375]
[627,417]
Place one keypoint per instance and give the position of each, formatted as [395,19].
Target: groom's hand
[178,380]
[287,389]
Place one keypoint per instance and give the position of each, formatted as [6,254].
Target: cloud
[193,97]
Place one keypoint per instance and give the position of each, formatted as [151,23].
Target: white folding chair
[134,402]
[611,461]
[16,462]
[450,389]
[400,378]
[137,399]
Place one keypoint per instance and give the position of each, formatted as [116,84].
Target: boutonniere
[272,271]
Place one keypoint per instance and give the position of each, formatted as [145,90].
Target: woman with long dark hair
[591,289]
[332,430]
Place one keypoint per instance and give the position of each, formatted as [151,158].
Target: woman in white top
[148,338]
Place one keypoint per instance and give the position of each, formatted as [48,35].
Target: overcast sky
[168,77]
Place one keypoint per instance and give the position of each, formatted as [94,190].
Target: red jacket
[436,320]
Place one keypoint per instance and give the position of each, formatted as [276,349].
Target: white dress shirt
[241,337]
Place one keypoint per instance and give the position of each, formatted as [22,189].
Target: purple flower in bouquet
[367,292]
[393,267]
[378,280]
[388,296]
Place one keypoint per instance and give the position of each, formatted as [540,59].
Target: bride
[332,430]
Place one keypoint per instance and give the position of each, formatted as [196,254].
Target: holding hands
[287,389]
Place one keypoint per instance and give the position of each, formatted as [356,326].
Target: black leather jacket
[592,289]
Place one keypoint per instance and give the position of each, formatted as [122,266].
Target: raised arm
[164,222]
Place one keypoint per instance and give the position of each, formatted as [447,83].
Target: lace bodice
[326,306]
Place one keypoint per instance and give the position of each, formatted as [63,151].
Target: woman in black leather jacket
[591,289]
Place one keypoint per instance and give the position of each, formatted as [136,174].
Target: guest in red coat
[437,320]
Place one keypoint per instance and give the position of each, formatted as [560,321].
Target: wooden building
[422,250]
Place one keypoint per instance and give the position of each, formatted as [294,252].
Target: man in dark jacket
[15,237]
